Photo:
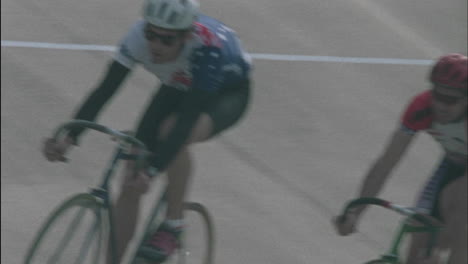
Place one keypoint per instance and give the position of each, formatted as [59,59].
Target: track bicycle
[413,222]
[81,231]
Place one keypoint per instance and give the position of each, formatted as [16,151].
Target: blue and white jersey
[212,57]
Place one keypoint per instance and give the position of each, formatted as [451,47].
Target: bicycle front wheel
[198,239]
[73,233]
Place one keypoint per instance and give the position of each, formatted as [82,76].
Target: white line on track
[257,56]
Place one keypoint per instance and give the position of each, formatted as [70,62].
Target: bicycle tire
[84,203]
[209,233]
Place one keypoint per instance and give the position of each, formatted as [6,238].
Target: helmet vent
[172,18]
[162,10]
[456,76]
[445,70]
[150,9]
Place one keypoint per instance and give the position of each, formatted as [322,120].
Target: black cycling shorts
[229,106]
[225,109]
[447,172]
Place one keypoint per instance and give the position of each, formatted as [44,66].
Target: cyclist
[441,112]
[205,85]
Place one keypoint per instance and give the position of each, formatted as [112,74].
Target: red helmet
[451,70]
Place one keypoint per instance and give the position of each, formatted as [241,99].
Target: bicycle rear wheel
[198,239]
[75,233]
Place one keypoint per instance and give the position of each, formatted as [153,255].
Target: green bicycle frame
[407,226]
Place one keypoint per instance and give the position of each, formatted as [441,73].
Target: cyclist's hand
[54,150]
[345,225]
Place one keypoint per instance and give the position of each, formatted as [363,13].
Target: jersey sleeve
[418,114]
[98,97]
[129,47]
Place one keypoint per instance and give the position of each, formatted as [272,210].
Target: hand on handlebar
[345,224]
[55,149]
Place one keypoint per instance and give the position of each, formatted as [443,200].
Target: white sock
[175,223]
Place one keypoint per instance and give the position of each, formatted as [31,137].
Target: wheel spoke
[67,236]
[70,233]
[88,241]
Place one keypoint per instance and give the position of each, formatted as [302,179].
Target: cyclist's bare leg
[126,208]
[453,207]
[416,254]
[418,247]
[180,170]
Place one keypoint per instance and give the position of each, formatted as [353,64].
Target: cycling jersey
[419,117]
[212,43]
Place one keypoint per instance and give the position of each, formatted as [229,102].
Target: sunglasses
[166,40]
[446,99]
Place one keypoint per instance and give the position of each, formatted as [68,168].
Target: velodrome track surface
[273,182]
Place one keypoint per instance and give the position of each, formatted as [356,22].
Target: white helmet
[171,14]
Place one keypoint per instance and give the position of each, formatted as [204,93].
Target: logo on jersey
[208,38]
[451,143]
[233,67]
[181,80]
